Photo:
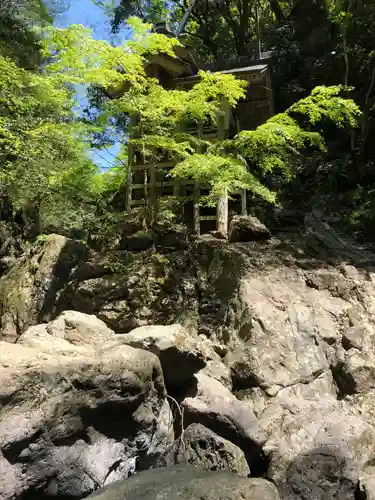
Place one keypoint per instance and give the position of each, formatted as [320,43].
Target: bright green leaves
[78,58]
[24,93]
[325,103]
[272,145]
[277,146]
[217,86]
[282,142]
[160,116]
[42,147]
[221,174]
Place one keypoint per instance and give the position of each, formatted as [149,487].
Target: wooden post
[153,193]
[196,196]
[196,211]
[259,43]
[222,216]
[128,193]
[129,177]
[176,187]
[270,93]
[222,203]
[243,202]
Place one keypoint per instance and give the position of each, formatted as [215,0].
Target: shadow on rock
[321,474]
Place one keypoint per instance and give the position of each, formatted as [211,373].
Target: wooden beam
[208,217]
[185,182]
[162,164]
[138,202]
[196,211]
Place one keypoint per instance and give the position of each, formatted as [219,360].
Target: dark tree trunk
[278,11]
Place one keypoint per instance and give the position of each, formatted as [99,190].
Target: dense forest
[317,148]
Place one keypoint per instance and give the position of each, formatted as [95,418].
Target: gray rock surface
[188,483]
[206,450]
[247,228]
[355,366]
[181,354]
[317,446]
[211,404]
[150,289]
[286,335]
[287,327]
[72,333]
[76,413]
[32,291]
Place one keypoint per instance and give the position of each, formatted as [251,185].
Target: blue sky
[87,13]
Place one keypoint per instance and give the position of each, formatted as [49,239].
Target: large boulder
[211,404]
[33,289]
[296,321]
[77,413]
[355,363]
[247,228]
[72,332]
[188,483]
[181,354]
[202,448]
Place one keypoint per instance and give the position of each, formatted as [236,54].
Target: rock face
[76,413]
[210,403]
[316,445]
[33,289]
[275,356]
[203,448]
[188,483]
[150,289]
[301,354]
[296,364]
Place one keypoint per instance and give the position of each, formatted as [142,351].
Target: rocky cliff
[265,367]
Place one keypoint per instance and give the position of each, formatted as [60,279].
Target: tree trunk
[277,11]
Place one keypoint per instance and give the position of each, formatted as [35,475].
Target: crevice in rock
[112,418]
[12,451]
[112,468]
[259,467]
[344,382]
[72,439]
[240,385]
[359,493]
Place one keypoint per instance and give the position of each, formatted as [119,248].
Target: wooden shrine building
[151,181]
